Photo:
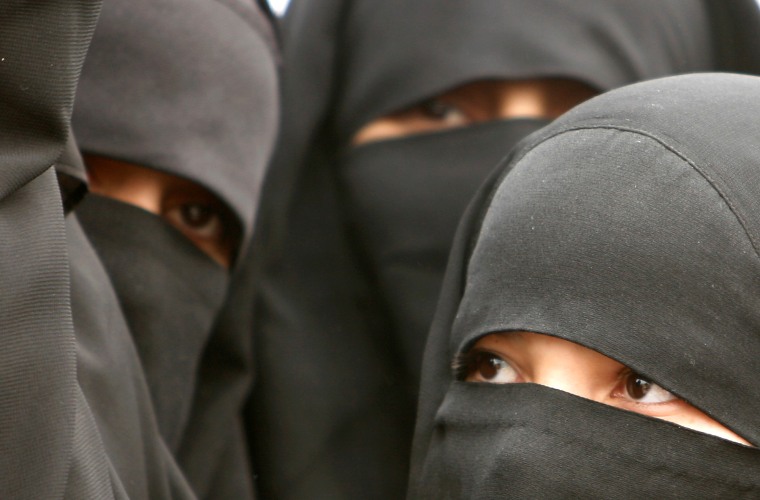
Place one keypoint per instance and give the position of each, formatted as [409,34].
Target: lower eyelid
[656,410]
[623,400]
[655,404]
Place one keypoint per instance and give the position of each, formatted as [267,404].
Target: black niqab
[630,226]
[170,292]
[113,383]
[406,242]
[188,89]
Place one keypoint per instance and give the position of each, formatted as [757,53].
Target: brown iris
[637,386]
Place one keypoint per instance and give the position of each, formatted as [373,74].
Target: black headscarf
[358,248]
[188,89]
[207,100]
[631,226]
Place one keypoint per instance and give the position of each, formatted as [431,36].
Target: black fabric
[604,46]
[72,175]
[76,416]
[224,381]
[113,382]
[189,89]
[348,268]
[164,284]
[203,108]
[49,443]
[630,226]
[407,241]
[516,441]
[736,24]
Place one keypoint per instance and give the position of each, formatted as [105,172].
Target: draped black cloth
[113,383]
[189,89]
[48,442]
[207,100]
[630,226]
[54,443]
[355,240]
[72,175]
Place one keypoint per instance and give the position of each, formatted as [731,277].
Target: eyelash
[464,362]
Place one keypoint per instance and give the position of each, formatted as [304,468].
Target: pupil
[638,387]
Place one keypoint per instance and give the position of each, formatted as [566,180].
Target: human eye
[484,366]
[641,390]
[206,223]
[445,112]
[197,220]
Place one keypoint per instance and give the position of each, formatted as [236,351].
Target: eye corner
[461,364]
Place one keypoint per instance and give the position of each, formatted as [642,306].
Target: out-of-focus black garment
[357,239]
[54,442]
[631,226]
[72,175]
[48,442]
[113,382]
[187,88]
[215,427]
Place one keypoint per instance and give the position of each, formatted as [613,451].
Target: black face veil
[355,271]
[630,226]
[189,89]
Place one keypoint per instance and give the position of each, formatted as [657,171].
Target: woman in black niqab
[183,92]
[358,236]
[630,226]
